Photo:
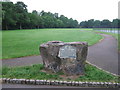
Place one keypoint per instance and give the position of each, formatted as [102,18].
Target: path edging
[60,83]
[102,69]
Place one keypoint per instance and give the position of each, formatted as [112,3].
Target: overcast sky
[77,9]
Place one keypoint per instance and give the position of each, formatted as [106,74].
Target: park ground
[26,42]
[19,43]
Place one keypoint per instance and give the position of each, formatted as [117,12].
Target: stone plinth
[67,57]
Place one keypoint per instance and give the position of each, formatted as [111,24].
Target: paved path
[35,86]
[23,61]
[103,54]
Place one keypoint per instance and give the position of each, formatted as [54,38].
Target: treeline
[100,24]
[16,16]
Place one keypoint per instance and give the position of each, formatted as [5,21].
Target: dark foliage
[16,16]
[100,24]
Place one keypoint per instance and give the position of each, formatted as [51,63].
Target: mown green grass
[35,72]
[18,43]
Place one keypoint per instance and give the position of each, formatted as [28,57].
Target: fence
[110,31]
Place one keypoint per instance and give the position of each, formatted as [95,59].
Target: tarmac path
[103,54]
[36,86]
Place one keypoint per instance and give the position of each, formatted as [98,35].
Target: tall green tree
[64,20]
[72,23]
[22,14]
[84,24]
[116,23]
[105,23]
[59,23]
[90,23]
[0,15]
[8,15]
[97,24]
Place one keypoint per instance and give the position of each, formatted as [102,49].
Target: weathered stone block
[41,82]
[32,81]
[68,57]
[38,82]
[48,82]
[76,83]
[3,80]
[14,81]
[8,80]
[27,81]
[52,83]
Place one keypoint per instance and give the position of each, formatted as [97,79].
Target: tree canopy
[100,24]
[16,16]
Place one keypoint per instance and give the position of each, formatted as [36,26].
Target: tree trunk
[20,26]
[6,27]
[38,27]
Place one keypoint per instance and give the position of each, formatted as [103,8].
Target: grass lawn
[35,72]
[18,43]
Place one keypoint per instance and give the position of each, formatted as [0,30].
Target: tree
[0,15]
[36,21]
[97,24]
[48,21]
[72,23]
[90,23]
[56,15]
[105,23]
[83,24]
[76,24]
[64,20]
[34,12]
[59,23]
[8,15]
[16,16]
[115,23]
[22,14]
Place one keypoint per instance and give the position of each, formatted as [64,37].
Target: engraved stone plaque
[67,51]
[67,57]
